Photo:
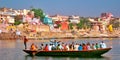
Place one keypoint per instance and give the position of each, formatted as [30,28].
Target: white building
[74,19]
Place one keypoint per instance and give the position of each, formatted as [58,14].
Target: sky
[84,8]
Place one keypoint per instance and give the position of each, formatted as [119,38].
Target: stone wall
[8,36]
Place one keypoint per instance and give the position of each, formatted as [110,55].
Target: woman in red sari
[46,48]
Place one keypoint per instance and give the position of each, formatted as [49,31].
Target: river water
[12,49]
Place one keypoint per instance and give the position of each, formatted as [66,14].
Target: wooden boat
[88,53]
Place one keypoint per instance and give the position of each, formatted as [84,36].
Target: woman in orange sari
[33,47]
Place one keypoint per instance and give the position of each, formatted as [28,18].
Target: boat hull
[88,53]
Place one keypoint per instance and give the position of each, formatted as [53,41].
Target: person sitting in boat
[58,47]
[66,47]
[72,46]
[46,47]
[41,47]
[103,45]
[33,47]
[97,46]
[55,42]
[80,47]
[88,46]
[50,47]
[62,46]
[84,47]
[76,46]
[93,46]
[53,47]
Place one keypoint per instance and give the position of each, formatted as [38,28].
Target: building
[74,19]
[8,14]
[58,17]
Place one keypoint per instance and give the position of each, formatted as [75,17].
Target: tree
[38,13]
[18,19]
[71,25]
[17,22]
[84,23]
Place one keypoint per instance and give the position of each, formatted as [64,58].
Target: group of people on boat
[73,46]
[58,45]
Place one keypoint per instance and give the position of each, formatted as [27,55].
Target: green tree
[84,23]
[18,19]
[71,25]
[38,13]
[17,22]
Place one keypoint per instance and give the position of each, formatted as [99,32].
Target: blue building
[47,20]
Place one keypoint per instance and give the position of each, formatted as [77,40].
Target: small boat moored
[87,53]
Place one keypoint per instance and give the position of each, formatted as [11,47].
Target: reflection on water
[7,44]
[27,57]
[12,50]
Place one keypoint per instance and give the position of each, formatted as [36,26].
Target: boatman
[25,42]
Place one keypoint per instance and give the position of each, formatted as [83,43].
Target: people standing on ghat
[25,42]
[18,33]
[110,28]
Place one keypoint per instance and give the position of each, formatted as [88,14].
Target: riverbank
[59,35]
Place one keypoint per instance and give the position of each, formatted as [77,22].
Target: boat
[87,53]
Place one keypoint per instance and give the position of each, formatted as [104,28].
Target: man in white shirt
[103,45]
[50,47]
